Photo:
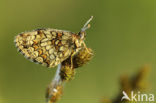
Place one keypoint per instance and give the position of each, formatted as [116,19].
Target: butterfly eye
[82,35]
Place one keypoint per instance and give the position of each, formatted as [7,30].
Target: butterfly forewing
[45,46]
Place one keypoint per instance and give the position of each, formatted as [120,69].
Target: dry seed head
[67,73]
[138,81]
[83,56]
[53,94]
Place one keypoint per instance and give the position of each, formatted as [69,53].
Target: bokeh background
[123,36]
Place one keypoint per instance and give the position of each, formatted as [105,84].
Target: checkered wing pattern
[48,47]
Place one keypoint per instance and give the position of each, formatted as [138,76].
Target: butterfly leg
[86,48]
[71,60]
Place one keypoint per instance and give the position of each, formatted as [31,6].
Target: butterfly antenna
[87,25]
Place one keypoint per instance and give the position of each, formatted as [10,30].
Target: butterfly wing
[45,46]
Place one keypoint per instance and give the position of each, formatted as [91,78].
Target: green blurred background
[123,36]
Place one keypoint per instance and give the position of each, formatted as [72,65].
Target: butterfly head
[80,37]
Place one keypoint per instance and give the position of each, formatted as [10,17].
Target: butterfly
[51,47]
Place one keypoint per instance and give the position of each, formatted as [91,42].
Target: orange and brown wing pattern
[45,46]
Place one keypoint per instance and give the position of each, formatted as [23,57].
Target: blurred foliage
[135,83]
[122,35]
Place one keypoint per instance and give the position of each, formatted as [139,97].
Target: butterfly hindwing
[45,46]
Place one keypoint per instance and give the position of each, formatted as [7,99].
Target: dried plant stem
[57,77]
[66,72]
[54,90]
